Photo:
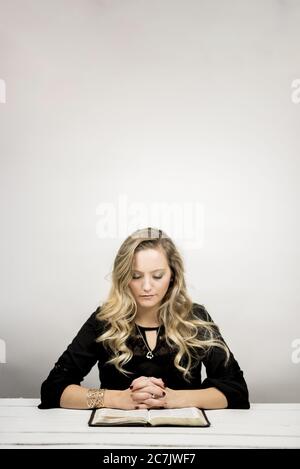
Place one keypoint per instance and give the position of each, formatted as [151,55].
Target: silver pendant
[149,355]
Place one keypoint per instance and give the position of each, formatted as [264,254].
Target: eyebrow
[134,270]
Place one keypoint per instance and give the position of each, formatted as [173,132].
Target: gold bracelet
[95,398]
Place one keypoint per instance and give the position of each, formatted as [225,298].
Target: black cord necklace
[149,353]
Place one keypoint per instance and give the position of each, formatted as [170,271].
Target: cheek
[164,286]
[135,288]
[131,287]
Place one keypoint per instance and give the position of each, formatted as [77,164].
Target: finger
[141,406]
[140,383]
[157,381]
[147,381]
[157,391]
[140,396]
[137,380]
[144,380]
[154,402]
[150,391]
[156,396]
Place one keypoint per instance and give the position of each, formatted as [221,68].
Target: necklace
[149,353]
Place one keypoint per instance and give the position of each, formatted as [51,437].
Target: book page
[186,416]
[107,415]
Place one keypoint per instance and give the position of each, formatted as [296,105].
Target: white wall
[185,102]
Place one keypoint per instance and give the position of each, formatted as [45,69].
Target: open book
[186,416]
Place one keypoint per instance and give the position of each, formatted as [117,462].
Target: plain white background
[158,102]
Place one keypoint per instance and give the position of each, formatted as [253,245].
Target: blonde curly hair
[185,331]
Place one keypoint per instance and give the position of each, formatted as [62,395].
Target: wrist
[177,398]
[112,398]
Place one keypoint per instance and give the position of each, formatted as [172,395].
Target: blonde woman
[150,341]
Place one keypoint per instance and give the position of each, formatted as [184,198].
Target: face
[151,275]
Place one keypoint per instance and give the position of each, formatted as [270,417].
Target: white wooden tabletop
[23,425]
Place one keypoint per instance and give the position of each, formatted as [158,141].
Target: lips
[147,296]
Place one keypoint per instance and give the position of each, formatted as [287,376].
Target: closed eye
[156,278]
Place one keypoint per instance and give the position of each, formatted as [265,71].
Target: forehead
[150,259]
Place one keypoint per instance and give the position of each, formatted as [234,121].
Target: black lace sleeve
[228,379]
[73,365]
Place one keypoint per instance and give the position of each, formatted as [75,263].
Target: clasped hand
[148,392]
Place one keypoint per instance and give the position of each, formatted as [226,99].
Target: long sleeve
[73,365]
[228,379]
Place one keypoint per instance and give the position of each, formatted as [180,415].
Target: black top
[83,353]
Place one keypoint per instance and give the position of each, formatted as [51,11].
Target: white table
[23,425]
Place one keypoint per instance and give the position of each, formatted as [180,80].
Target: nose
[146,286]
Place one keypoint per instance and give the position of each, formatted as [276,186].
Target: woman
[149,340]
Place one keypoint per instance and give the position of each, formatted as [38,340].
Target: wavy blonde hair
[184,331]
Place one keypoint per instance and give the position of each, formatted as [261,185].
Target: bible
[185,416]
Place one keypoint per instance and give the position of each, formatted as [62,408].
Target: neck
[147,317]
